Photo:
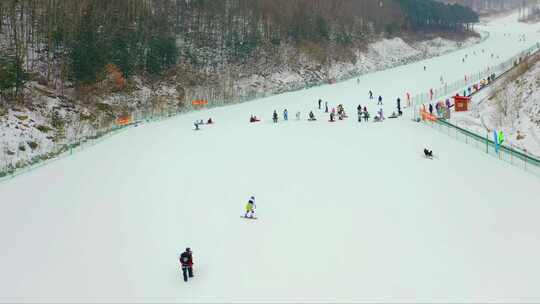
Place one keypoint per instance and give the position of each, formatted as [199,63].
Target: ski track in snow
[347,211]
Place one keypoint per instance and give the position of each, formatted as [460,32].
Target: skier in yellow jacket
[250,207]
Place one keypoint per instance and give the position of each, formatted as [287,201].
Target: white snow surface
[348,212]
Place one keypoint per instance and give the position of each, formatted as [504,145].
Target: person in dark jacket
[186,262]
[320,104]
[430,109]
[275,116]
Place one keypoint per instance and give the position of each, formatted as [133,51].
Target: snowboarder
[186,262]
[250,208]
[326,107]
[275,116]
[399,104]
[428,153]
[254,118]
[311,116]
[320,104]
[332,117]
[379,103]
[370,94]
[285,115]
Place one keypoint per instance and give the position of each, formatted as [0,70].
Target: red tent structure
[461,103]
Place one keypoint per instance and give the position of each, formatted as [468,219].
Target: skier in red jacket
[186,261]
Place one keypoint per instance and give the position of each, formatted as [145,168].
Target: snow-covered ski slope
[348,212]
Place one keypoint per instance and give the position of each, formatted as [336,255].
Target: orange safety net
[427,116]
[199,102]
[123,120]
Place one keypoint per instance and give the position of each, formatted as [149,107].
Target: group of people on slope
[197,123]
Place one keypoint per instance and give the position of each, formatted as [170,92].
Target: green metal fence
[510,155]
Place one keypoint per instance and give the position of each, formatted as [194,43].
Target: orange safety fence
[124,120]
[427,116]
[199,102]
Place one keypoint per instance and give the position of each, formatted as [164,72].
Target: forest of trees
[492,5]
[79,43]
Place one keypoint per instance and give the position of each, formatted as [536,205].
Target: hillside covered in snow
[73,72]
[511,105]
[348,211]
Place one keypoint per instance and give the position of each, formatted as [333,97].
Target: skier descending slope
[250,208]
[186,262]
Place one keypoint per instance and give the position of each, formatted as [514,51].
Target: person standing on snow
[381,114]
[370,94]
[320,104]
[298,115]
[359,111]
[275,116]
[399,106]
[250,207]
[379,103]
[430,109]
[186,262]
[326,107]
[285,115]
